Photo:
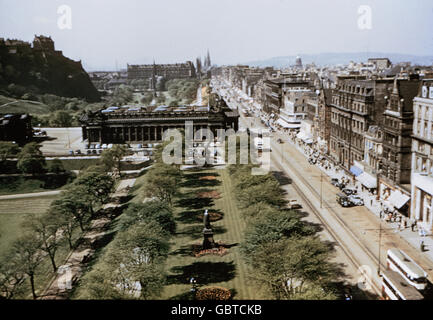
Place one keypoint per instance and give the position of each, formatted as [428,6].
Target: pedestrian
[381,214]
[413,224]
[371,202]
[421,246]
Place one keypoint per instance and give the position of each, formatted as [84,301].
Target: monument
[208,241]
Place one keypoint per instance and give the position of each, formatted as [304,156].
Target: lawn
[228,271]
[13,213]
[22,106]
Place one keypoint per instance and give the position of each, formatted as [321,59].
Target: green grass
[13,213]
[228,271]
[22,106]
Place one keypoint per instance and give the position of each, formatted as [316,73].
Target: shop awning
[355,170]
[308,140]
[284,124]
[398,199]
[300,135]
[367,180]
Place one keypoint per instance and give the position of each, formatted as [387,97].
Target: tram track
[352,258]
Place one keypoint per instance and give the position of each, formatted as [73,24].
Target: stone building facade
[168,71]
[147,124]
[357,103]
[422,156]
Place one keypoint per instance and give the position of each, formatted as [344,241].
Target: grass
[13,213]
[22,106]
[228,271]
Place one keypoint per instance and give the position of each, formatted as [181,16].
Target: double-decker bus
[395,287]
[400,262]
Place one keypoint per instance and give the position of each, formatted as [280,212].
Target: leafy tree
[11,277]
[111,158]
[62,118]
[290,267]
[271,227]
[96,187]
[74,202]
[65,220]
[27,254]
[56,166]
[45,229]
[132,266]
[150,211]
[163,182]
[8,150]
[30,159]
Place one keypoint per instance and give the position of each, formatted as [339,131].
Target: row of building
[372,119]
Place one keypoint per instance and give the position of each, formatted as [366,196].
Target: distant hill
[323,59]
[43,71]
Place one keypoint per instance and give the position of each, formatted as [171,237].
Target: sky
[108,34]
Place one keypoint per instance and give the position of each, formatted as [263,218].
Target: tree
[290,267]
[27,254]
[56,166]
[62,118]
[133,265]
[95,187]
[271,227]
[65,220]
[163,182]
[11,277]
[150,211]
[45,228]
[8,150]
[30,159]
[74,202]
[111,158]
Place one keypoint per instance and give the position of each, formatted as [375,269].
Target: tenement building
[396,160]
[357,103]
[422,156]
[137,125]
[168,71]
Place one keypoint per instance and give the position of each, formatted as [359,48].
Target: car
[93,151]
[343,200]
[294,204]
[349,191]
[71,152]
[89,151]
[312,161]
[356,200]
[279,140]
[334,181]
[78,151]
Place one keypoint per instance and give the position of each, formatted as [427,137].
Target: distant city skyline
[106,34]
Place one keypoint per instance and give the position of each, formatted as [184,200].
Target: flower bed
[213,216]
[219,250]
[211,194]
[213,293]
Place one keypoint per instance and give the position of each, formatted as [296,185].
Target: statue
[208,241]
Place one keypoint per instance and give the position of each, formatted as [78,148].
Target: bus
[400,262]
[395,287]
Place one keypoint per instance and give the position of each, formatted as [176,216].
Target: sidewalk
[374,206]
[410,237]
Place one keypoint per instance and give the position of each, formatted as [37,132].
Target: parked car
[334,182]
[279,140]
[78,151]
[294,204]
[356,200]
[349,191]
[343,200]
[312,161]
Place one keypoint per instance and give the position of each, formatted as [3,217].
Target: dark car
[348,191]
[334,181]
[343,200]
[279,140]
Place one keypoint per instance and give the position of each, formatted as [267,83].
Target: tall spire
[208,61]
